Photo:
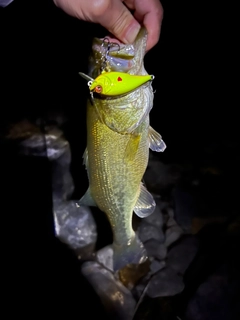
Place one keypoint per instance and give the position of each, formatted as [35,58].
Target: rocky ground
[192,238]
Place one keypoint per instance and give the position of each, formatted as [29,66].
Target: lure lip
[85,76]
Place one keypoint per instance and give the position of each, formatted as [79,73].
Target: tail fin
[132,253]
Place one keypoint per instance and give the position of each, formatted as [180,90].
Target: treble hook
[109,46]
[115,44]
[105,40]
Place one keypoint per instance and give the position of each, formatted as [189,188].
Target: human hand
[117,17]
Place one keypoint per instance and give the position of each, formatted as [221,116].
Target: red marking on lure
[119,79]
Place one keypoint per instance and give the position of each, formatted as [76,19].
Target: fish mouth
[117,55]
[112,39]
[110,54]
[114,47]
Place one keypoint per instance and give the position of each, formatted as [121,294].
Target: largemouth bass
[118,140]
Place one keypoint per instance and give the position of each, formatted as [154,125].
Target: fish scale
[110,164]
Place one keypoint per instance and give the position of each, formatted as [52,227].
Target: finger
[113,15]
[150,13]
[130,4]
[117,19]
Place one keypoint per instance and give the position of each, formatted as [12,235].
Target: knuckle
[100,7]
[117,26]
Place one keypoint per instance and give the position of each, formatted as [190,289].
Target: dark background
[195,110]
[43,49]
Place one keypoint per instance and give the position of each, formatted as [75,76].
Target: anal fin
[145,204]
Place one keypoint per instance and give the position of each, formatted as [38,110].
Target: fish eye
[98,89]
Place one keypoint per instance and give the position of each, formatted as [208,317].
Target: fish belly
[114,178]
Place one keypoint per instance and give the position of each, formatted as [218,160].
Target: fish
[119,137]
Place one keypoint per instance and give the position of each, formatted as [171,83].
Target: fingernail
[132,32]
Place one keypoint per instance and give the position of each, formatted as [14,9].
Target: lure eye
[98,89]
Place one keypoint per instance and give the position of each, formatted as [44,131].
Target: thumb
[118,20]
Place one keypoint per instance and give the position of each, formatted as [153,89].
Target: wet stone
[214,298]
[105,257]
[156,249]
[165,283]
[156,218]
[160,176]
[132,274]
[173,232]
[75,226]
[55,147]
[62,182]
[116,298]
[171,214]
[157,266]
[171,221]
[140,289]
[147,231]
[185,208]
[181,255]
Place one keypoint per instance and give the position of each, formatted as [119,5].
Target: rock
[170,213]
[171,221]
[156,218]
[160,176]
[132,274]
[165,283]
[173,234]
[156,249]
[213,299]
[185,208]
[139,291]
[55,147]
[157,266]
[181,255]
[105,257]
[76,227]
[147,231]
[62,182]
[117,299]
[50,144]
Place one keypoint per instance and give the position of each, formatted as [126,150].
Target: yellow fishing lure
[116,83]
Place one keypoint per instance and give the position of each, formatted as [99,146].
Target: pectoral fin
[132,147]
[145,204]
[85,158]
[155,141]
[87,200]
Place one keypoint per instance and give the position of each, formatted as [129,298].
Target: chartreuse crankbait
[116,83]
